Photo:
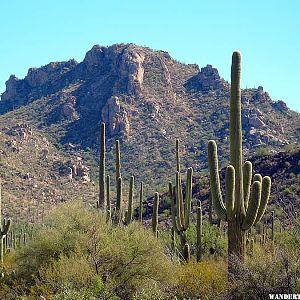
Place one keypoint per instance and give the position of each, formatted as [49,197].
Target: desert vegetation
[107,250]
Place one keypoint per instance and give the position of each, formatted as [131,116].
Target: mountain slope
[147,99]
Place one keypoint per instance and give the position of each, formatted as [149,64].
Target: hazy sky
[34,33]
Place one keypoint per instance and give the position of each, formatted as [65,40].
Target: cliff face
[147,99]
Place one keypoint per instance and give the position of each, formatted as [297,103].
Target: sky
[34,33]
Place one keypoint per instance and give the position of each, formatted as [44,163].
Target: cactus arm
[188,199]
[257,177]
[173,207]
[265,195]
[179,205]
[180,202]
[218,203]
[230,187]
[254,203]
[247,178]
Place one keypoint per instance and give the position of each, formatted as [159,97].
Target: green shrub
[78,249]
[204,280]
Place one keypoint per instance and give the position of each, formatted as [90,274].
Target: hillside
[50,122]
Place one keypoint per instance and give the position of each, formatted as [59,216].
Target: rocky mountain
[50,120]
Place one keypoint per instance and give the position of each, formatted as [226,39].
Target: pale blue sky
[33,33]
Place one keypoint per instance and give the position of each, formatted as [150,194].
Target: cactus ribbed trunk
[236,236]
[199,232]
[130,201]
[108,202]
[236,241]
[141,202]
[118,161]
[155,214]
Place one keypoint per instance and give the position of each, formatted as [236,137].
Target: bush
[78,249]
[269,271]
[204,280]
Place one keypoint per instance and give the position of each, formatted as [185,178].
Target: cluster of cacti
[180,208]
[245,203]
[118,215]
[246,197]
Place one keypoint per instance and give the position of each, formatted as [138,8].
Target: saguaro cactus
[181,209]
[155,214]
[108,202]
[102,168]
[199,232]
[118,161]
[4,229]
[245,203]
[119,213]
[130,201]
[141,202]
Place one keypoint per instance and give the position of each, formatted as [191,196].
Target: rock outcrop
[208,79]
[68,110]
[116,117]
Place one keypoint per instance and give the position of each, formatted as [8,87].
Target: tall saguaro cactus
[130,201]
[108,202]
[141,202]
[155,214]
[102,168]
[199,232]
[4,229]
[119,213]
[245,203]
[118,161]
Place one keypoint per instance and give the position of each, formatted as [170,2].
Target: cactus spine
[130,201]
[199,232]
[155,214]
[102,168]
[245,203]
[4,229]
[141,202]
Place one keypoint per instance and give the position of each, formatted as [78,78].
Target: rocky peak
[125,62]
[208,79]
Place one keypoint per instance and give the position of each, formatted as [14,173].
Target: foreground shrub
[269,271]
[78,251]
[204,280]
